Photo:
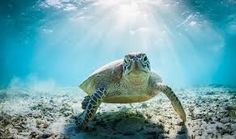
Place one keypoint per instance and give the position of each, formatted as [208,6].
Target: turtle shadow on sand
[119,124]
[182,133]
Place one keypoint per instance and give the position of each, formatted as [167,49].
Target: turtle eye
[125,60]
[145,58]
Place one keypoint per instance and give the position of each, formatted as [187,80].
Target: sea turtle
[127,80]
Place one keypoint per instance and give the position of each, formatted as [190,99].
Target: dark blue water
[189,42]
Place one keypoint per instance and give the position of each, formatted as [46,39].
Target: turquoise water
[189,42]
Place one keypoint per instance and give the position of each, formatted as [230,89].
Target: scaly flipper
[174,100]
[85,102]
[90,106]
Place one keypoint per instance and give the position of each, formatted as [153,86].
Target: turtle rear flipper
[92,103]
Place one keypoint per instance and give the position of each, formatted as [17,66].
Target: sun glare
[165,29]
[128,12]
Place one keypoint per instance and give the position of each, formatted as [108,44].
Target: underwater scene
[117,69]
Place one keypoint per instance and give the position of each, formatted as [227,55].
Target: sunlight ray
[165,29]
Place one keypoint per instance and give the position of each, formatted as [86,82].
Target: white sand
[25,113]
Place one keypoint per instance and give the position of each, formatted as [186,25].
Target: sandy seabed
[27,113]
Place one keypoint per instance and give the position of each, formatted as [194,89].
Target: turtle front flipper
[90,106]
[174,100]
[85,102]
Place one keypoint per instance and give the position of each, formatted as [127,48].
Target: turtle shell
[104,76]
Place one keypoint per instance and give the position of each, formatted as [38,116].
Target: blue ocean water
[189,42]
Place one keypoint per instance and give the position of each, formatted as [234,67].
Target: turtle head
[136,66]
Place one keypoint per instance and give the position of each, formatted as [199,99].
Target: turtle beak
[136,65]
